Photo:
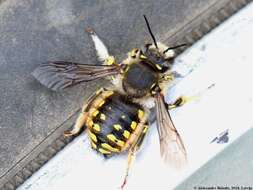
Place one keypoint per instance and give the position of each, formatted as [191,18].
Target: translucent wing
[171,145]
[59,75]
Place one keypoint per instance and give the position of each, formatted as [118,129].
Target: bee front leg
[101,49]
[181,101]
[185,99]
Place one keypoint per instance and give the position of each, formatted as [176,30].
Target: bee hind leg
[101,49]
[130,159]
[80,123]
[132,153]
[84,115]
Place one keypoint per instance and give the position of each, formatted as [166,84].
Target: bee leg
[80,122]
[102,51]
[132,153]
[184,99]
[130,159]
[170,76]
[82,118]
[167,77]
[181,101]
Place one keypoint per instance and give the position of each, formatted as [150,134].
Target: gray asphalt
[33,31]
[231,169]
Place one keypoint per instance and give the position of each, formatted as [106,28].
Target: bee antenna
[174,47]
[149,29]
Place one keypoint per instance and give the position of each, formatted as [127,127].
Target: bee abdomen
[112,121]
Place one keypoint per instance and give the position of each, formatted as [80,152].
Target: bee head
[158,53]
[155,55]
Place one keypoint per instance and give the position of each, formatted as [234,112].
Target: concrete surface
[33,31]
[222,59]
[231,169]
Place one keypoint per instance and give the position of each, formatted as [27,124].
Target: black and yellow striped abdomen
[113,120]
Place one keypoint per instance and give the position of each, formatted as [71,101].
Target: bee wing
[171,145]
[59,75]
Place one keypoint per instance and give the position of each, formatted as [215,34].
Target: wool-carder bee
[117,117]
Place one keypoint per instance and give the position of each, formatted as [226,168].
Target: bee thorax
[138,80]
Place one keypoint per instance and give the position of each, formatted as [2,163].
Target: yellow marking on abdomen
[109,147]
[140,114]
[95,113]
[91,111]
[93,145]
[96,127]
[89,122]
[117,127]
[102,116]
[103,151]
[126,134]
[118,142]
[133,125]
[92,136]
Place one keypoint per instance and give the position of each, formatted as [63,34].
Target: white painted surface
[224,58]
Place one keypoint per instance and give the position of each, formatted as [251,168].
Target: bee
[116,117]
